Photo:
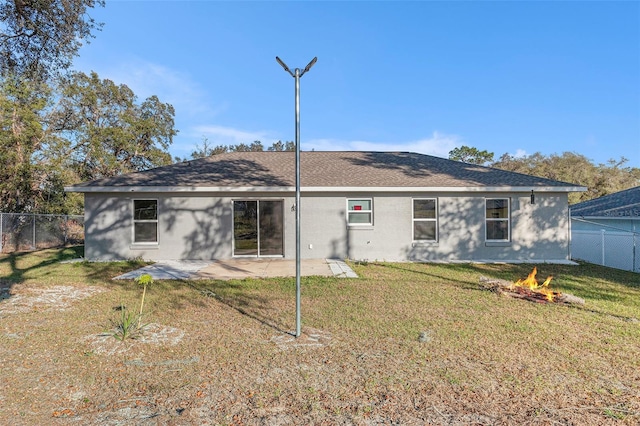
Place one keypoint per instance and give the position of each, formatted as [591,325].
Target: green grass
[393,298]
[47,267]
[489,359]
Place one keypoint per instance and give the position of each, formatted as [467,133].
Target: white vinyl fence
[24,231]
[616,249]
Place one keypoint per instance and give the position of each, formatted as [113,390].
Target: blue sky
[509,77]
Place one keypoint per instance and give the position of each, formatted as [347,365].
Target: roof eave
[362,189]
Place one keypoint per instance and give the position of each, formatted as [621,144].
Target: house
[606,230]
[394,206]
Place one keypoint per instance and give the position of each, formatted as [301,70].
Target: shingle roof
[617,205]
[324,169]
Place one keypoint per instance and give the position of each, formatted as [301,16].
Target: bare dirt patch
[153,334]
[50,298]
[310,338]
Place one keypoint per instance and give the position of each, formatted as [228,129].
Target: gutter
[328,189]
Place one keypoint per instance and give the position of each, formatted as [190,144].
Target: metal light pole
[296,75]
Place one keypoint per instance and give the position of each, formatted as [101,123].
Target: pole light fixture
[296,74]
[286,68]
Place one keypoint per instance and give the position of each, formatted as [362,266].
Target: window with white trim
[145,221]
[497,213]
[360,211]
[425,219]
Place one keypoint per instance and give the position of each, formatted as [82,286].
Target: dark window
[497,219]
[425,221]
[145,221]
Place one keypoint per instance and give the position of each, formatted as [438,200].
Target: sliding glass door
[270,225]
[258,228]
[245,228]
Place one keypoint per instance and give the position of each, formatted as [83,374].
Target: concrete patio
[241,268]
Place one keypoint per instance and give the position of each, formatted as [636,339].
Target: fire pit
[529,289]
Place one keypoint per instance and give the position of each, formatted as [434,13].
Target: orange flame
[532,284]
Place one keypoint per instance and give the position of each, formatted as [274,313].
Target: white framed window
[360,211]
[497,219]
[145,221]
[425,219]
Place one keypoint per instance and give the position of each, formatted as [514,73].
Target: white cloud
[520,153]
[438,144]
[220,135]
[188,97]
[169,85]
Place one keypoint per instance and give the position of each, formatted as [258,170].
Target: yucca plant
[129,325]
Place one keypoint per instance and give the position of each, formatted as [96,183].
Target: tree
[206,150]
[255,146]
[615,176]
[471,155]
[21,135]
[38,38]
[279,146]
[576,169]
[84,128]
[108,132]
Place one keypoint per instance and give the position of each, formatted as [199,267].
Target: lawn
[403,344]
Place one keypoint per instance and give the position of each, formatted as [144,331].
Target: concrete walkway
[240,268]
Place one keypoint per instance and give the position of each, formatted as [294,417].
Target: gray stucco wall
[199,226]
[190,226]
[540,231]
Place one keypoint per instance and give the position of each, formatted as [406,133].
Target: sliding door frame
[258,227]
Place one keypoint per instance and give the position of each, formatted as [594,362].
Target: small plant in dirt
[129,325]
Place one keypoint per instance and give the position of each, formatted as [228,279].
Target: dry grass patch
[404,344]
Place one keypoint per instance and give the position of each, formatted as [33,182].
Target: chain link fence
[23,231]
